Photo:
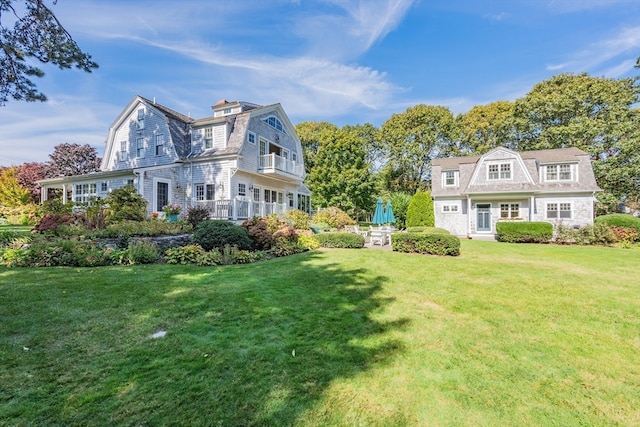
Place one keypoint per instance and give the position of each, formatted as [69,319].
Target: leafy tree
[12,194]
[342,177]
[28,174]
[36,33]
[412,139]
[72,159]
[595,114]
[125,204]
[310,135]
[400,204]
[420,211]
[486,127]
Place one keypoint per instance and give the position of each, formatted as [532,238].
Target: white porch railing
[240,209]
[274,162]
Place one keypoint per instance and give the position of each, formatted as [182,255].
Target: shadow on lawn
[255,351]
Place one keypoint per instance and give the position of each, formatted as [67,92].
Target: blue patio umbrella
[388,214]
[378,214]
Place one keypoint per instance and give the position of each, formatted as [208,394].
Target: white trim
[154,197]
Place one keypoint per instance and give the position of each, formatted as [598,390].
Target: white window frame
[251,137]
[140,147]
[502,168]
[140,119]
[445,178]
[159,144]
[242,189]
[208,138]
[83,192]
[275,123]
[450,208]
[563,210]
[554,173]
[104,186]
[123,151]
[511,209]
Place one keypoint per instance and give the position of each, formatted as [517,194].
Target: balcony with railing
[274,164]
[238,209]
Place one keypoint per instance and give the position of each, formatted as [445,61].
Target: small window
[140,147]
[274,122]
[208,138]
[450,208]
[450,178]
[210,191]
[130,182]
[104,187]
[199,192]
[251,137]
[564,173]
[242,189]
[159,145]
[140,121]
[565,210]
[226,111]
[509,210]
[256,194]
[294,157]
[499,171]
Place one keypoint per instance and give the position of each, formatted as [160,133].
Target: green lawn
[503,335]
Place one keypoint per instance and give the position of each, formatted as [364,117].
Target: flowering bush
[154,215]
[171,209]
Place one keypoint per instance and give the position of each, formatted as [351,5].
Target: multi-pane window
[498,171]
[208,138]
[251,137]
[509,210]
[130,182]
[204,191]
[103,186]
[242,189]
[274,122]
[123,150]
[159,145]
[256,194]
[558,172]
[140,121]
[449,208]
[84,192]
[140,147]
[450,178]
[558,210]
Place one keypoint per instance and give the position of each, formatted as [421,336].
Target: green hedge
[524,232]
[428,230]
[340,240]
[619,220]
[426,243]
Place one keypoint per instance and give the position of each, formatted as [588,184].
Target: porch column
[532,207]
[64,194]
[43,194]
[468,215]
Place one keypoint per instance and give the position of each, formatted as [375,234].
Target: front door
[483,217]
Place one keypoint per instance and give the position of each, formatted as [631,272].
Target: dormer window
[208,138]
[561,172]
[275,123]
[499,171]
[450,178]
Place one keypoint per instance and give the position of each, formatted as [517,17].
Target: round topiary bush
[220,233]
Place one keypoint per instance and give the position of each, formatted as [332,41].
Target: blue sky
[341,61]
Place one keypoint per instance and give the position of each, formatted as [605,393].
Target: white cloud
[596,56]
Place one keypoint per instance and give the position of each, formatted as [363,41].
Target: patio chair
[377,238]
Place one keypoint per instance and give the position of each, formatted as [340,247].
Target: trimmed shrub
[333,217]
[619,220]
[145,228]
[212,234]
[430,230]
[125,203]
[420,210]
[426,243]
[625,234]
[340,240]
[524,232]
